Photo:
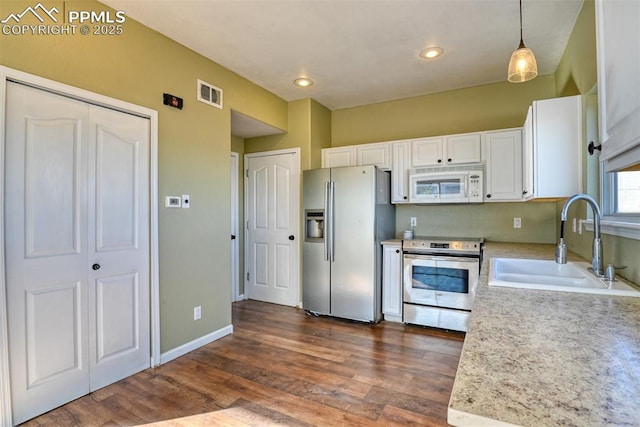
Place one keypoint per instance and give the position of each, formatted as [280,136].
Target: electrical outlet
[186,201]
[197,313]
[414,221]
[517,222]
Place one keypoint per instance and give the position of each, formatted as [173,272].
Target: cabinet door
[503,169]
[374,154]
[337,157]
[426,152]
[557,139]
[392,282]
[400,161]
[462,149]
[528,190]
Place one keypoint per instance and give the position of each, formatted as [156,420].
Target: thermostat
[172,202]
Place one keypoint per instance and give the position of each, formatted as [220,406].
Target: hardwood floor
[284,367]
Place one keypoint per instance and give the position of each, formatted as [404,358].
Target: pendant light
[522,66]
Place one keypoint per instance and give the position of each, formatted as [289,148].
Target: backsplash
[493,221]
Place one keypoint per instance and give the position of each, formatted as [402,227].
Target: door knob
[96,266]
[292,237]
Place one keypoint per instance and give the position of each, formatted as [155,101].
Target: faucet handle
[610,271]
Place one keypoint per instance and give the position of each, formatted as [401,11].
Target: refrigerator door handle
[332,196]
[327,227]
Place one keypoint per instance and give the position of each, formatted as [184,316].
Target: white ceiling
[361,51]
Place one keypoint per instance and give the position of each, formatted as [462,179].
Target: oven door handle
[441,258]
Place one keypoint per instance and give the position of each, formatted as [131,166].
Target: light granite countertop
[545,358]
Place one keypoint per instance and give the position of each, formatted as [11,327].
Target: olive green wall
[577,73]
[309,128]
[320,133]
[492,221]
[193,149]
[488,107]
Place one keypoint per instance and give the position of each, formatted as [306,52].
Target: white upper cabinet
[503,165]
[464,148]
[618,42]
[378,154]
[446,150]
[400,165]
[553,148]
[337,157]
[426,151]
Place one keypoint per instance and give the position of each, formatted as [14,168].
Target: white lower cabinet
[392,281]
[503,165]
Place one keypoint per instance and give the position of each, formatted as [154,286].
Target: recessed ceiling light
[303,82]
[431,52]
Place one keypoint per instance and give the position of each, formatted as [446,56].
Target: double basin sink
[548,275]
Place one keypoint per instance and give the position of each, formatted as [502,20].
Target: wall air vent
[209,94]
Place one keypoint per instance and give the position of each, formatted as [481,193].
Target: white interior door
[76,247]
[235,246]
[273,254]
[118,249]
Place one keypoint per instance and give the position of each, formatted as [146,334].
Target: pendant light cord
[521,42]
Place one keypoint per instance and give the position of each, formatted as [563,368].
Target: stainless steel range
[440,279]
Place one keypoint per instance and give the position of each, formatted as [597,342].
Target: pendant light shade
[522,66]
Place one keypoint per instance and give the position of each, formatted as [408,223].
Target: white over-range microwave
[447,184]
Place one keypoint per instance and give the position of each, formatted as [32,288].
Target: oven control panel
[425,246]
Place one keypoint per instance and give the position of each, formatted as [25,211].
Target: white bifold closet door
[76,247]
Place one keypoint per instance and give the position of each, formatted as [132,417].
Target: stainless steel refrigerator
[348,213]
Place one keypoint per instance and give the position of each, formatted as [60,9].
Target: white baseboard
[197,343]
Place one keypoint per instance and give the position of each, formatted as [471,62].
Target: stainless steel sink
[548,275]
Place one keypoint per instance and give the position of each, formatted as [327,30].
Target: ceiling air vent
[209,94]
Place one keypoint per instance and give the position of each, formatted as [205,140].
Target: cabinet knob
[397,251]
[405,197]
[96,266]
[488,196]
[592,147]
[439,160]
[449,160]
[292,237]
[524,192]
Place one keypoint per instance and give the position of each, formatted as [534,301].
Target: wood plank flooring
[284,367]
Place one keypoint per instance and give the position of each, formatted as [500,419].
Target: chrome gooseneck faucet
[561,249]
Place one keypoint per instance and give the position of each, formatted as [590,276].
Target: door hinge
[247,224]
[246,173]
[247,276]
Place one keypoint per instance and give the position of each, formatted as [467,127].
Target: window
[627,193]
[620,204]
